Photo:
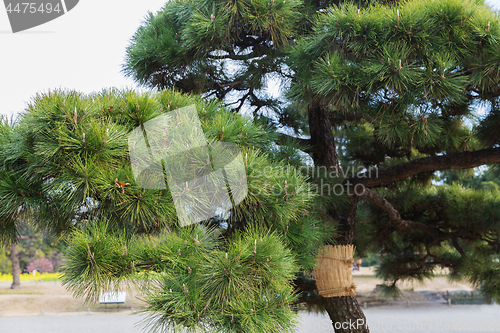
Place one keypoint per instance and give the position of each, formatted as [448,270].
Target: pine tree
[232,273]
[390,89]
[402,85]
[387,87]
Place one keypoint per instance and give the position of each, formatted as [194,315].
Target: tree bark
[16,269]
[347,224]
[345,313]
[322,140]
[465,160]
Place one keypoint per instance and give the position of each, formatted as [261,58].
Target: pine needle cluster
[67,162]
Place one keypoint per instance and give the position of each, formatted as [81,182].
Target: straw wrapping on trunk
[333,273]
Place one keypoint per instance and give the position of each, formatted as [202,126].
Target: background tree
[487,179]
[390,86]
[34,246]
[21,197]
[41,265]
[9,216]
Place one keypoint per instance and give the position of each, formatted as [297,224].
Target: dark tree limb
[347,225]
[457,246]
[322,139]
[393,214]
[464,160]
[233,56]
[346,314]
[338,118]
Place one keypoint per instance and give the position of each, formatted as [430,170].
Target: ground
[51,298]
[366,282]
[419,319]
[48,308]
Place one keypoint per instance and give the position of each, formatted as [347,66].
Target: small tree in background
[42,265]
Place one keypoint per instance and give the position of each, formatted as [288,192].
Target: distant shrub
[372,260]
[31,277]
[42,265]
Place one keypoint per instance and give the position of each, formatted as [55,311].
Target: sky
[82,50]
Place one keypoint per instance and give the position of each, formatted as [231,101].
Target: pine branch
[457,246]
[282,138]
[339,118]
[393,214]
[464,160]
[233,56]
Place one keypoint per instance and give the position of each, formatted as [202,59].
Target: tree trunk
[345,313]
[347,224]
[322,140]
[16,269]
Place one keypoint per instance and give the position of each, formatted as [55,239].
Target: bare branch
[233,56]
[464,160]
[457,246]
[393,214]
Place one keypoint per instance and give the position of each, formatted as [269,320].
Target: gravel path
[429,319]
[421,319]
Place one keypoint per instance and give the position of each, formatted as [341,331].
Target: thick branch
[322,140]
[465,160]
[340,117]
[393,214]
[233,56]
[458,247]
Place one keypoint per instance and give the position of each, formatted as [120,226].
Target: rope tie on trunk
[348,261]
[333,273]
[349,290]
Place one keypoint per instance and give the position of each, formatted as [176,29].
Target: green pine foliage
[404,81]
[67,162]
[191,33]
[414,71]
[467,221]
[191,278]
[231,50]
